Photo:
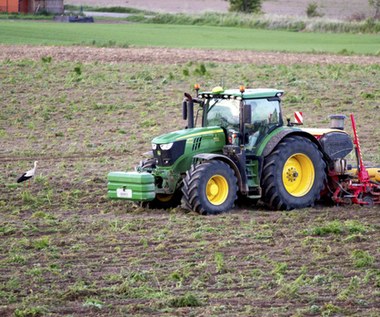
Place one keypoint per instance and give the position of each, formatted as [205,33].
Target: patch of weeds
[46,59]
[30,312]
[362,258]
[35,271]
[129,290]
[345,52]
[367,95]
[17,258]
[92,302]
[187,300]
[201,70]
[280,268]
[41,243]
[219,262]
[42,215]
[148,123]
[27,197]
[337,227]
[291,289]
[354,226]
[330,309]
[7,229]
[351,289]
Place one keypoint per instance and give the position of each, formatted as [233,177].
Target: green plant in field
[41,243]
[27,197]
[93,302]
[186,300]
[7,229]
[46,59]
[362,258]
[219,262]
[30,312]
[291,289]
[338,227]
[330,309]
[280,268]
[350,290]
[201,70]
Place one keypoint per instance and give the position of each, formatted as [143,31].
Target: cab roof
[249,93]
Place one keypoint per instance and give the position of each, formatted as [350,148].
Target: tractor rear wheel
[293,174]
[209,188]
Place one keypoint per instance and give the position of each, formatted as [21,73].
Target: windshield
[223,113]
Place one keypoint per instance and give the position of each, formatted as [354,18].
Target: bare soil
[67,250]
[170,56]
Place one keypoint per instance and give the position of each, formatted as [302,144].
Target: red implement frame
[362,190]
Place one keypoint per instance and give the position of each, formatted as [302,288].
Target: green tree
[375,4]
[312,10]
[247,6]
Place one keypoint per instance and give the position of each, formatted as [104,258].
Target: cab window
[265,117]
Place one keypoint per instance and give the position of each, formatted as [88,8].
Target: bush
[312,10]
[247,6]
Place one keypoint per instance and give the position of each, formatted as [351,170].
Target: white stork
[28,175]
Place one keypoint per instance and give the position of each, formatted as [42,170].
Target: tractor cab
[246,115]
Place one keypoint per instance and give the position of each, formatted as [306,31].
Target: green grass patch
[185,36]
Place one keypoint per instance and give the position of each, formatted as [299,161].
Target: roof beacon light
[217,90]
[196,87]
[242,89]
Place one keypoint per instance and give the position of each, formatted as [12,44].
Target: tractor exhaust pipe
[188,110]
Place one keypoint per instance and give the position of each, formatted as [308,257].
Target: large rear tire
[209,188]
[293,174]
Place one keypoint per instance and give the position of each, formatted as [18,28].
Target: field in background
[332,9]
[67,250]
[186,36]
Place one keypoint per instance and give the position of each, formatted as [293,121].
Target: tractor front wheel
[209,188]
[293,174]
[164,201]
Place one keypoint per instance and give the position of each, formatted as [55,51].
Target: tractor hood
[213,132]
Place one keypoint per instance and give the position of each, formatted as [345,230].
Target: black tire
[293,174]
[164,201]
[209,188]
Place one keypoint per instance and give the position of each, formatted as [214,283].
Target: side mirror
[247,114]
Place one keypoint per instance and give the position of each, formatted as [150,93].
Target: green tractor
[236,144]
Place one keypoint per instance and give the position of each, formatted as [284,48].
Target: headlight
[166,147]
[154,146]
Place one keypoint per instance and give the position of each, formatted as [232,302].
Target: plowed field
[66,250]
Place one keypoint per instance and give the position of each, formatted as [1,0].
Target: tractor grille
[197,143]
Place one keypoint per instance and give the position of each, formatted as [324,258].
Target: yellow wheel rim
[217,190]
[164,198]
[298,175]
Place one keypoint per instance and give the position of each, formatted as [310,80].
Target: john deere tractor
[236,144]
